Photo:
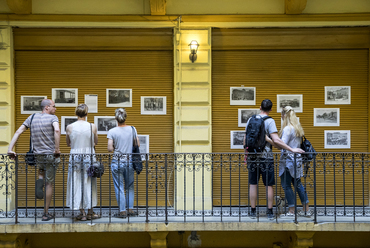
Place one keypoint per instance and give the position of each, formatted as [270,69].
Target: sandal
[47,217]
[122,216]
[132,213]
[93,216]
[81,217]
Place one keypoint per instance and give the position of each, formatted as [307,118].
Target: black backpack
[307,147]
[255,135]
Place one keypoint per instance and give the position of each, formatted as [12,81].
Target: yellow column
[193,121]
[6,105]
[158,239]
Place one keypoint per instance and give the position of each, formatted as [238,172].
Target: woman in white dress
[81,189]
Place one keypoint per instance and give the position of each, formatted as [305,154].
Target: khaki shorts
[49,164]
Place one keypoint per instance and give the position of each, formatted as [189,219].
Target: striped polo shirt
[42,132]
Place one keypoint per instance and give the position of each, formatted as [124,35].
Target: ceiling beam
[158,7]
[295,6]
[20,7]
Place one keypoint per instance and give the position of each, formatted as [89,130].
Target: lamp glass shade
[194,46]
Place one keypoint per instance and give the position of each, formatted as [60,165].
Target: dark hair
[44,103]
[81,110]
[266,105]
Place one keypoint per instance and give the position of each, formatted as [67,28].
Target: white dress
[83,187]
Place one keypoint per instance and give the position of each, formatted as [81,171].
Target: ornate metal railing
[186,187]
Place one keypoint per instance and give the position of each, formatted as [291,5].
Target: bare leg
[270,193]
[49,195]
[253,195]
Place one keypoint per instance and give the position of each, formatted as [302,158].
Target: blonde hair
[121,115]
[81,110]
[290,119]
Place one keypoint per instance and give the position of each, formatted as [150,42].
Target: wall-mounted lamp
[193,50]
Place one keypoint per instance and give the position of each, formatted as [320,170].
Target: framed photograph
[104,123]
[281,121]
[66,120]
[31,104]
[153,105]
[337,139]
[236,139]
[294,101]
[92,103]
[326,117]
[242,95]
[119,98]
[65,97]
[144,144]
[337,94]
[245,114]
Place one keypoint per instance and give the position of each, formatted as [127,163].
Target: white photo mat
[242,95]
[337,139]
[144,144]
[153,105]
[65,121]
[104,123]
[31,104]
[245,114]
[294,101]
[92,102]
[236,139]
[119,98]
[69,99]
[337,95]
[326,117]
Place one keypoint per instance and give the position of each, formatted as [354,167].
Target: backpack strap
[266,117]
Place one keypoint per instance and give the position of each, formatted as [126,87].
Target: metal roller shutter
[146,72]
[304,72]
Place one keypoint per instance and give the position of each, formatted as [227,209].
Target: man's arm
[56,137]
[278,142]
[14,140]
[95,132]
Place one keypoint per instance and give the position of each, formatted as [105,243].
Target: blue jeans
[123,171]
[286,181]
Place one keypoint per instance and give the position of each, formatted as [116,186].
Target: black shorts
[258,167]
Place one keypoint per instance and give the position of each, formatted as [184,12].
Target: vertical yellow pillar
[6,107]
[158,239]
[193,121]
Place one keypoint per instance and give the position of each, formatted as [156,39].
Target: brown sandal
[93,216]
[81,217]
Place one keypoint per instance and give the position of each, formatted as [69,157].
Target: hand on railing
[12,154]
[297,150]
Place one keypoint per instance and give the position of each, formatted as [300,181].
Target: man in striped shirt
[45,137]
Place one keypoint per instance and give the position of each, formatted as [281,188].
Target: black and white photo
[65,97]
[294,101]
[65,121]
[328,117]
[245,114]
[153,105]
[119,98]
[242,95]
[236,139]
[31,104]
[92,103]
[338,95]
[337,139]
[104,123]
[144,144]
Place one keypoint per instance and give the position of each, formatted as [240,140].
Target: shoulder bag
[30,156]
[136,157]
[96,169]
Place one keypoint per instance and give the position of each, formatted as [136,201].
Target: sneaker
[287,215]
[253,215]
[270,216]
[305,214]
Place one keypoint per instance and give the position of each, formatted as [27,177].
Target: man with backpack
[260,158]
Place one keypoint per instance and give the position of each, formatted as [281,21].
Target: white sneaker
[287,215]
[305,214]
